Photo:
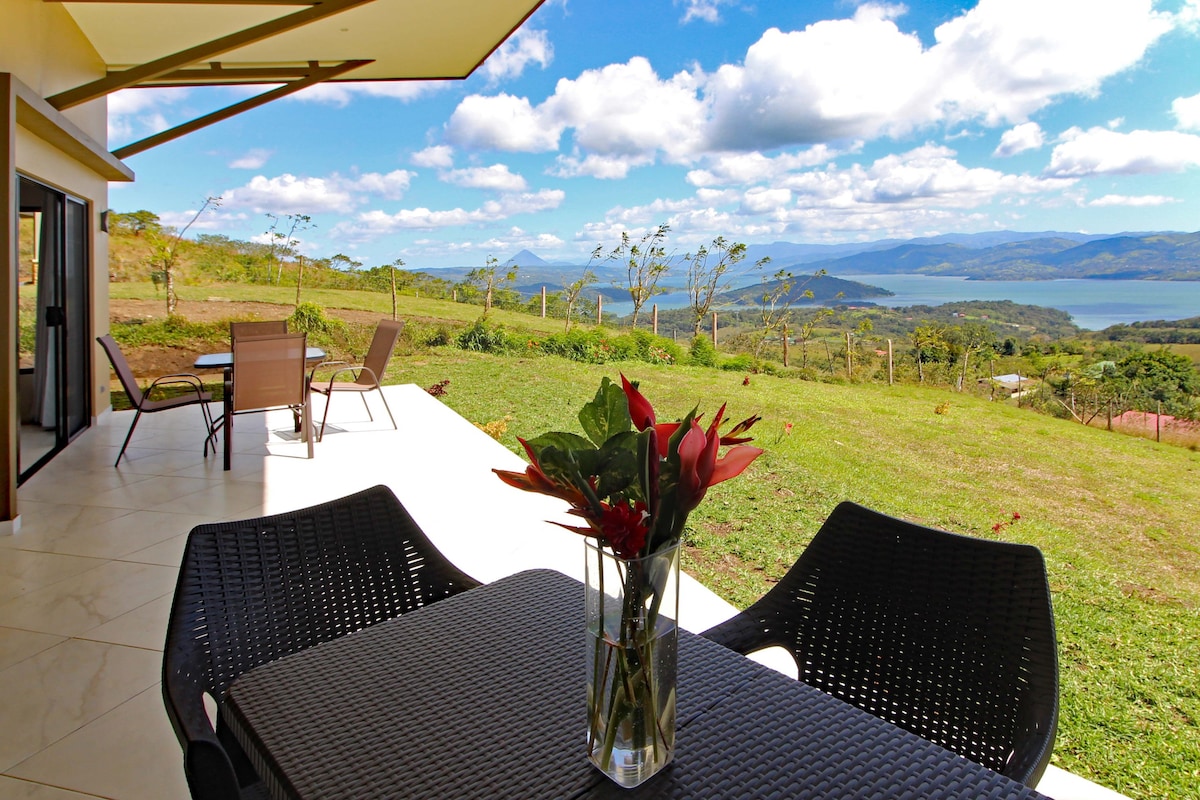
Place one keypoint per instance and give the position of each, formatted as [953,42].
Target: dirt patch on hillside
[152,361]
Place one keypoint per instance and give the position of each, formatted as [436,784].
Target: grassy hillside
[1115,516]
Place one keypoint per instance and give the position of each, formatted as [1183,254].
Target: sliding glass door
[53,347]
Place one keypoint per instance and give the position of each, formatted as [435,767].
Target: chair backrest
[383,344]
[121,367]
[268,371]
[265,328]
[255,590]
[950,637]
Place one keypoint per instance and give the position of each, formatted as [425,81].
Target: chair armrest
[187,378]
[351,368]
[313,372]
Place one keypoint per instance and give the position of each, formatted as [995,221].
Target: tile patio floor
[86,580]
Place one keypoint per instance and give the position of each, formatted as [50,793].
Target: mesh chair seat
[143,402]
[948,636]
[255,590]
[368,376]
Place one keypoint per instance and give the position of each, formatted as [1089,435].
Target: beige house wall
[42,48]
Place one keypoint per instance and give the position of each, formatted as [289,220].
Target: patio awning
[296,43]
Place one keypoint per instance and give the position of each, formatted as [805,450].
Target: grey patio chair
[268,373]
[366,377]
[146,404]
[255,590]
[950,637]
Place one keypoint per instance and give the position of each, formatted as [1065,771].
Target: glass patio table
[482,695]
[224,362]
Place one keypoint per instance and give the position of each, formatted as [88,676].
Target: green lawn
[1115,516]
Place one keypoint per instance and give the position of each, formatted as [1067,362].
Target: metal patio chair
[145,404]
[255,590]
[950,637]
[366,377]
[268,373]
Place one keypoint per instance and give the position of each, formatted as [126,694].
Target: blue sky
[776,120]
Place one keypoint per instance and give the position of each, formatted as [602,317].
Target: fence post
[654,309]
[714,329]
[785,344]
[543,302]
[599,309]
[1158,424]
[891,373]
[849,358]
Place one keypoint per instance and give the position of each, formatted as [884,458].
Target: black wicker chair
[947,636]
[255,590]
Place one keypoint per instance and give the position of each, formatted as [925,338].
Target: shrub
[483,338]
[310,318]
[702,353]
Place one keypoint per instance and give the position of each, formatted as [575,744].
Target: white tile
[116,538]
[152,493]
[45,521]
[17,645]
[85,601]
[16,789]
[167,554]
[130,753]
[57,691]
[24,571]
[144,626]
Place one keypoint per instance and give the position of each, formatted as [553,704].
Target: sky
[755,120]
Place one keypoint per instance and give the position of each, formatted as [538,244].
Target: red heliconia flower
[1016,515]
[534,480]
[699,467]
[640,410]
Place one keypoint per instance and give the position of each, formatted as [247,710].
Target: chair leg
[308,426]
[325,416]
[367,406]
[128,436]
[387,407]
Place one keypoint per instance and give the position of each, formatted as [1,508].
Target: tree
[807,329]
[705,280]
[166,249]
[1161,376]
[970,338]
[929,342]
[490,279]
[775,304]
[645,263]
[285,243]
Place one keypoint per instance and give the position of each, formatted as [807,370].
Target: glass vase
[632,606]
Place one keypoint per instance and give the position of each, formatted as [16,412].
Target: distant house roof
[1014,378]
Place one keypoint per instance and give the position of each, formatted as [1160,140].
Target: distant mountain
[825,289]
[1154,256]
[994,255]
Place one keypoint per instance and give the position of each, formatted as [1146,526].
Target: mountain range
[994,255]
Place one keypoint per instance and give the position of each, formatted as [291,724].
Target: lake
[1092,304]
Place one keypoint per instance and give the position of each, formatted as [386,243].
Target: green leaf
[618,467]
[607,414]
[566,457]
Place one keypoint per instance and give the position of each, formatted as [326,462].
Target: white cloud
[1115,122]
[501,122]
[598,166]
[1136,201]
[842,79]
[513,241]
[523,48]
[496,177]
[140,112]
[706,10]
[1026,136]
[375,223]
[1187,112]
[744,168]
[438,156]
[288,194]
[341,93]
[211,220]
[253,159]
[1100,151]
[922,191]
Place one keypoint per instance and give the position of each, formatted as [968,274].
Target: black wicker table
[481,695]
